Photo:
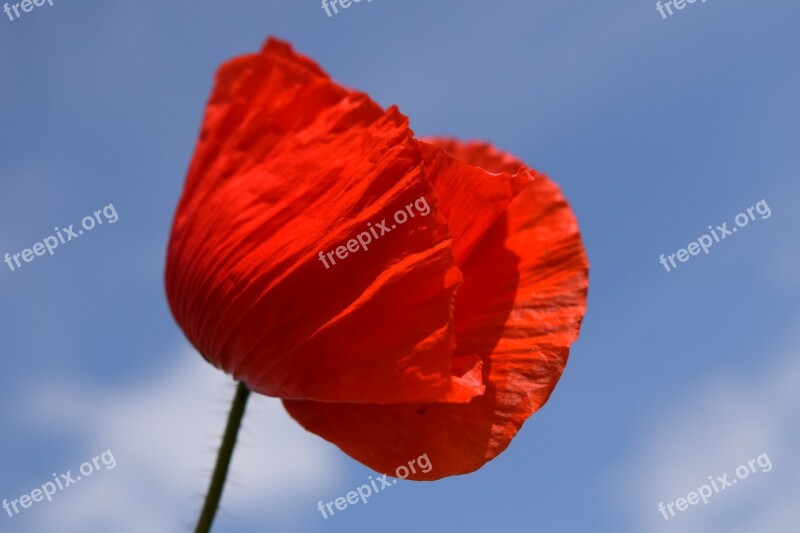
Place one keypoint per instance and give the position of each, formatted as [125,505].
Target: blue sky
[654,129]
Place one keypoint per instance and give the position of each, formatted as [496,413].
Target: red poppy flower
[442,335]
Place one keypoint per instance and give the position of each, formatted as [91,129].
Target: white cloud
[164,435]
[716,429]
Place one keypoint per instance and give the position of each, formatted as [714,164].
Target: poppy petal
[291,167]
[471,198]
[519,309]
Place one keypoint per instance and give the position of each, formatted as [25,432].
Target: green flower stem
[223,459]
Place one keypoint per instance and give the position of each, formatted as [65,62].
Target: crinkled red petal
[519,310]
[289,165]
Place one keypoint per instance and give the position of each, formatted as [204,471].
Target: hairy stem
[223,459]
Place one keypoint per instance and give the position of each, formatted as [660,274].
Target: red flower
[442,335]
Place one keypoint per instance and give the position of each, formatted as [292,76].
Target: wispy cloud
[164,434]
[712,431]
